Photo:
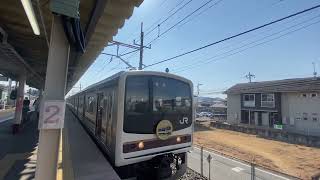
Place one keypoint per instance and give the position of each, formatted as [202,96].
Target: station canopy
[21,48]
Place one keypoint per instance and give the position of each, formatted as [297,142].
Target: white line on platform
[3,120]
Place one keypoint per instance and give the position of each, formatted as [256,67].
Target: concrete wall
[293,106]
[234,108]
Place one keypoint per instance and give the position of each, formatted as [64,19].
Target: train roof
[117,76]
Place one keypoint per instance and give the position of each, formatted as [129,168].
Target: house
[293,103]
[219,111]
[217,107]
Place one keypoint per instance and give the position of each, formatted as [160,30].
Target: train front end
[157,123]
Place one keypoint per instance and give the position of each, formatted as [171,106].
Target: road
[223,168]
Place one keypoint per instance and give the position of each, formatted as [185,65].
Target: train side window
[80,104]
[91,105]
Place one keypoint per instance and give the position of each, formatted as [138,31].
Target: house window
[298,116]
[249,100]
[313,95]
[267,100]
[314,117]
[305,116]
[304,95]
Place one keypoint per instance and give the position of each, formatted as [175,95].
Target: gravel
[190,175]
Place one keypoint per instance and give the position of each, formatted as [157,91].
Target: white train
[142,120]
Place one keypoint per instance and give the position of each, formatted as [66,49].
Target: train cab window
[137,105]
[150,99]
[170,95]
[137,95]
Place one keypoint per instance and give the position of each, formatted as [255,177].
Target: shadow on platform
[18,152]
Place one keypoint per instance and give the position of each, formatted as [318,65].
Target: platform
[18,152]
[79,157]
[86,159]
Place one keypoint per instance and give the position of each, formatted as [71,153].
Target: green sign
[277,126]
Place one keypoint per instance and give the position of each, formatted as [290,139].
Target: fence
[316,176]
[211,157]
[270,133]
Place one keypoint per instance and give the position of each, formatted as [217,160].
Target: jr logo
[184,120]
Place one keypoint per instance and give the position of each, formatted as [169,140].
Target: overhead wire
[201,12]
[169,16]
[186,17]
[215,58]
[252,42]
[138,34]
[211,7]
[183,19]
[234,36]
[148,31]
[159,19]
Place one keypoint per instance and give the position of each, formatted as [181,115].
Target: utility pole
[135,46]
[198,88]
[314,69]
[141,47]
[80,86]
[250,76]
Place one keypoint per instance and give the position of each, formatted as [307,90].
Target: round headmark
[164,129]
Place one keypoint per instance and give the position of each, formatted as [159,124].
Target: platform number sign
[52,114]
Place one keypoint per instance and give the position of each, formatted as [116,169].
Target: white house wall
[234,108]
[293,106]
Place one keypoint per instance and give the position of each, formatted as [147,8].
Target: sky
[280,51]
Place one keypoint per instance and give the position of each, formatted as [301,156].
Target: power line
[186,17]
[201,12]
[211,7]
[278,1]
[164,1]
[169,29]
[170,16]
[132,34]
[148,31]
[264,42]
[215,58]
[247,44]
[245,40]
[275,3]
[234,36]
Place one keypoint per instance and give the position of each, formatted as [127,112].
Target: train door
[82,99]
[99,114]
[77,105]
[109,118]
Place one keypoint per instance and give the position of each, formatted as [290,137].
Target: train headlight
[178,139]
[141,145]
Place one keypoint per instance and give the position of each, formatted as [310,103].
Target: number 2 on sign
[54,109]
